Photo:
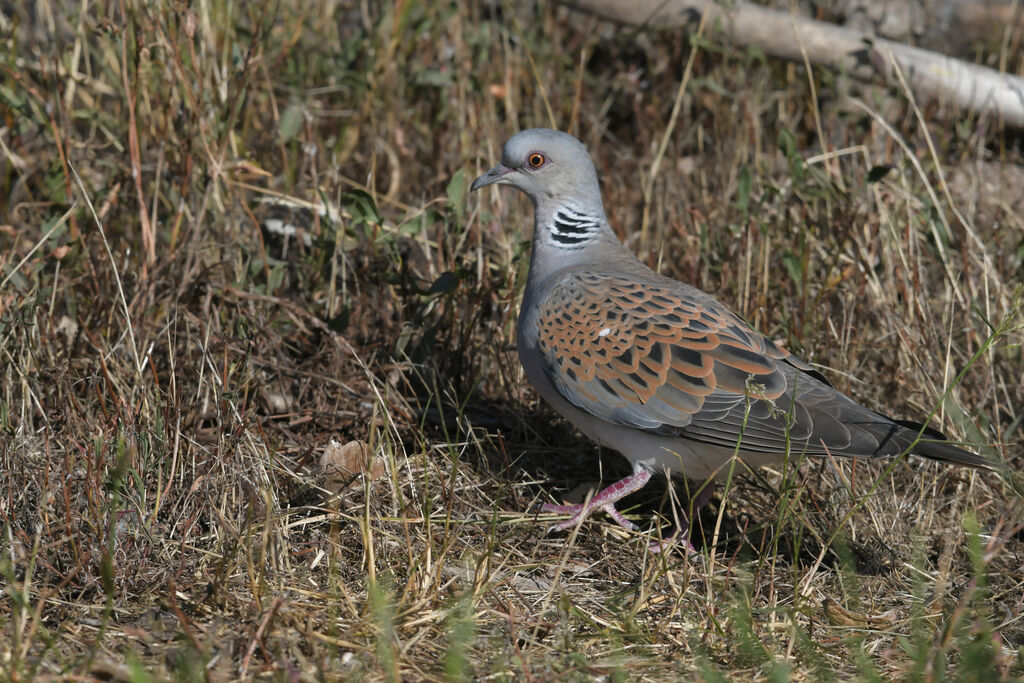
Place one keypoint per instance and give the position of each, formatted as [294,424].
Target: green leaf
[361,206]
[275,279]
[291,122]
[743,183]
[976,549]
[10,98]
[433,77]
[792,263]
[456,191]
[787,143]
[416,225]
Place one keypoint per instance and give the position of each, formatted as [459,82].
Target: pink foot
[605,500]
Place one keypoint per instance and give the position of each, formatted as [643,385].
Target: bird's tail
[934,444]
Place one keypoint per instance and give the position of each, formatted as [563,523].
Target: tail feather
[934,444]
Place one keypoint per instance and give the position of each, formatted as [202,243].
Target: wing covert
[665,358]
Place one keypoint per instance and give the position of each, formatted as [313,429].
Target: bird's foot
[580,512]
[604,500]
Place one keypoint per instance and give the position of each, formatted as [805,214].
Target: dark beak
[493,176]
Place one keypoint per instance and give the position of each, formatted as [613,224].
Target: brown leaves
[840,616]
[342,465]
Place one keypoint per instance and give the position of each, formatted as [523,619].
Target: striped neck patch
[571,229]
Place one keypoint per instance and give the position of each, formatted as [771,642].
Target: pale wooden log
[933,77]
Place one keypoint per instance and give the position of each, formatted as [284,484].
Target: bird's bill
[495,175]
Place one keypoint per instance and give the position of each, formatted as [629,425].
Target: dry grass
[172,376]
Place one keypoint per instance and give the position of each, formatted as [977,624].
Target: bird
[657,369]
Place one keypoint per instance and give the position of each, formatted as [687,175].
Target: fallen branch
[933,77]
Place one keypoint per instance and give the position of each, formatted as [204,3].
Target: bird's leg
[604,500]
[694,505]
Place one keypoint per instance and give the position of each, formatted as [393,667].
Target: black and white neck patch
[572,229]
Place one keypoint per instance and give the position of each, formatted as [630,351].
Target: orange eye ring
[536,160]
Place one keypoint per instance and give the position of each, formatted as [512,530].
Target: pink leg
[604,500]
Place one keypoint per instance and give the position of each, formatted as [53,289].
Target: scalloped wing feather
[666,358]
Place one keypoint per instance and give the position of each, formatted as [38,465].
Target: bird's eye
[536,160]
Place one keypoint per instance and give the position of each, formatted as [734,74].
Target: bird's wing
[665,358]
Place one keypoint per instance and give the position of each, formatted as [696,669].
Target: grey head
[555,170]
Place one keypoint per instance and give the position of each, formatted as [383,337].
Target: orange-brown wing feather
[650,355]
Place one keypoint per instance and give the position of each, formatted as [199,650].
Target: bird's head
[545,165]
